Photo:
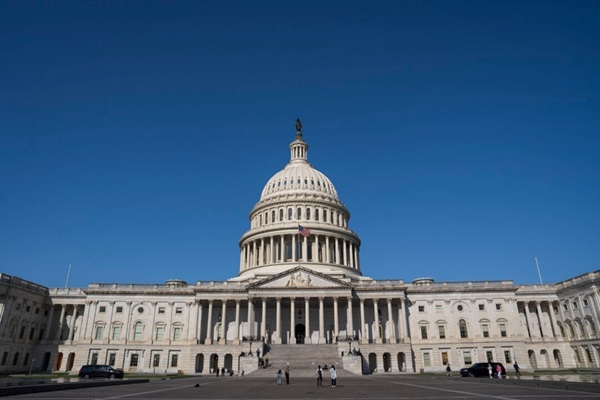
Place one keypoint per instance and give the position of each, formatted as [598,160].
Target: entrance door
[300,333]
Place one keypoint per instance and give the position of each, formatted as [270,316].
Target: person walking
[333,374]
[490,371]
[287,374]
[319,377]
[517,369]
[279,376]
[448,370]
[499,370]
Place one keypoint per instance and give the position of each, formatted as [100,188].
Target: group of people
[332,375]
[287,375]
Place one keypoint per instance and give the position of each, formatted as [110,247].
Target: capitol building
[301,295]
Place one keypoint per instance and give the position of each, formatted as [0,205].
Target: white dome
[298,176]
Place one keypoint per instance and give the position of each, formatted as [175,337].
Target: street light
[250,346]
[349,346]
[31,367]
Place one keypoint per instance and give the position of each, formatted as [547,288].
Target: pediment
[299,278]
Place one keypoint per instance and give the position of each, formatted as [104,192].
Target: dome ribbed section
[298,177]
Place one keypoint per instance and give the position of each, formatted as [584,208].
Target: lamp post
[250,346]
[31,367]
[349,346]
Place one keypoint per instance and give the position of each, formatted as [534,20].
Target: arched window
[290,214]
[298,213]
[317,214]
[280,215]
[266,217]
[137,331]
[273,215]
[159,332]
[462,326]
[260,220]
[325,215]
[308,213]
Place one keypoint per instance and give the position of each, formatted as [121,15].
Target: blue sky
[135,137]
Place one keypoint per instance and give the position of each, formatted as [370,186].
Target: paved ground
[365,387]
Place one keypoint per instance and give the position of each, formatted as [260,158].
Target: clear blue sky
[135,137]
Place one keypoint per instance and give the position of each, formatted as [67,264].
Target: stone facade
[300,284]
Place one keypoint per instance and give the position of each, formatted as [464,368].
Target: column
[261,259]
[307,338]
[350,324]
[539,317]
[209,324]
[61,321]
[294,249]
[282,252]
[322,338]
[250,309]
[555,330]
[49,325]
[292,320]
[377,333]
[277,338]
[337,251]
[304,248]
[72,327]
[236,339]
[199,326]
[363,336]
[392,330]
[345,244]
[327,256]
[336,331]
[223,338]
[263,322]
[192,328]
[528,318]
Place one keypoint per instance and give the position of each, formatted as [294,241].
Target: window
[112,359]
[442,331]
[4,358]
[27,309]
[41,335]
[133,362]
[177,333]
[102,309]
[498,306]
[16,359]
[423,332]
[485,328]
[37,310]
[444,358]
[507,357]
[98,334]
[174,358]
[317,214]
[421,308]
[574,305]
[502,327]
[438,308]
[565,307]
[481,307]
[489,356]
[158,335]
[161,310]
[280,215]
[298,213]
[116,333]
[459,307]
[467,358]
[156,360]
[426,359]
[18,306]
[137,331]
[273,216]
[290,214]
[462,326]
[585,303]
[22,333]
[308,213]
[140,310]
[119,309]
[31,333]
[179,310]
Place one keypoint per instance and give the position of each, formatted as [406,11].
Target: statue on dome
[298,125]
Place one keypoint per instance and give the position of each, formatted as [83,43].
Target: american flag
[303,231]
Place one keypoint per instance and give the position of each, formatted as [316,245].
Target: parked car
[481,369]
[100,371]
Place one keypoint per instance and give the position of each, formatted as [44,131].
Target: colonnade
[296,248]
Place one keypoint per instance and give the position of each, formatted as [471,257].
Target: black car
[482,369]
[100,371]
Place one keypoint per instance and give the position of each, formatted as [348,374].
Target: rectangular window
[160,330]
[16,359]
[177,333]
[585,303]
[502,330]
[41,335]
[178,310]
[174,358]
[119,309]
[28,308]
[565,307]
[481,307]
[421,308]
[489,356]
[161,310]
[37,310]
[112,359]
[137,331]
[442,331]
[486,330]
[133,362]
[18,306]
[102,309]
[467,358]
[427,359]
[507,357]
[498,306]
[575,305]
[94,360]
[116,334]
[4,358]
[31,333]
[444,358]
[98,334]
[438,308]
[156,361]
[26,359]
[423,332]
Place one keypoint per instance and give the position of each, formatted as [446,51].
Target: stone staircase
[303,360]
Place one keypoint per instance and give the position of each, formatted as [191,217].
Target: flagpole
[68,273]
[538,269]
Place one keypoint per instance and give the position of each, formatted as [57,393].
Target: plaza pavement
[350,388]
